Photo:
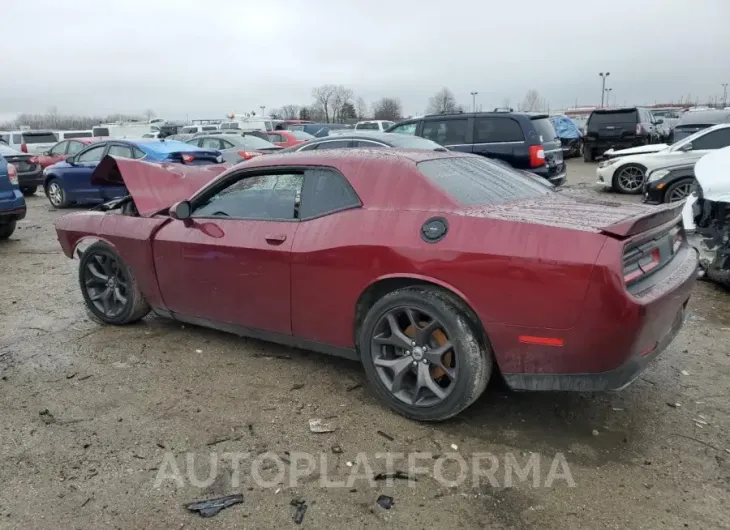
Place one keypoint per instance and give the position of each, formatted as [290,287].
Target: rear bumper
[618,335]
[34,178]
[556,179]
[12,209]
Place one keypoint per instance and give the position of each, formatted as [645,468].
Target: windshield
[301,135]
[230,125]
[475,181]
[39,138]
[80,134]
[685,135]
[254,142]
[367,126]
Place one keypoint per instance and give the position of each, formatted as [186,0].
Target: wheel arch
[48,177]
[621,166]
[383,285]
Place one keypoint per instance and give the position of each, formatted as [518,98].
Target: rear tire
[432,386]
[588,155]
[7,229]
[106,281]
[29,190]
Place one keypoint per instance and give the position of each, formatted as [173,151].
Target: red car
[433,269]
[62,150]
[288,138]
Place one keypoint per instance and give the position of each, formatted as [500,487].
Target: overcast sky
[205,58]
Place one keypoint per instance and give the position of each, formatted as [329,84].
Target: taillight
[188,158]
[537,156]
[247,155]
[24,148]
[12,174]
[640,261]
[33,160]
[639,129]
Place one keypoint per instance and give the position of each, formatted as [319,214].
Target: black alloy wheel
[424,353]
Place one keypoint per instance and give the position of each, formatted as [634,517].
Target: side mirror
[46,153]
[70,161]
[181,210]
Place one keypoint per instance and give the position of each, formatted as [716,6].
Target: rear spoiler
[642,223]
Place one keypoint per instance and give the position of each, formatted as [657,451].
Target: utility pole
[608,97]
[724,94]
[474,101]
[263,108]
[603,85]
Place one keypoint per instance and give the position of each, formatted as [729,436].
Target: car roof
[704,117]
[155,144]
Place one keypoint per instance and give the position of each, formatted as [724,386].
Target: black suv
[619,129]
[523,140]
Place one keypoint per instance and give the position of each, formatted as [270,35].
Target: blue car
[12,203]
[69,182]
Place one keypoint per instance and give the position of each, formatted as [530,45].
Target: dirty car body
[309,249]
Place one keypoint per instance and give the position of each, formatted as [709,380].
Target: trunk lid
[154,187]
[616,219]
[22,163]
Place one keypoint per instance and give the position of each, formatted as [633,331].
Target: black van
[523,140]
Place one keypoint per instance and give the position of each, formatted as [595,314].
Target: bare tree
[323,96]
[340,97]
[149,114]
[317,114]
[290,112]
[442,102]
[53,120]
[532,101]
[362,108]
[387,109]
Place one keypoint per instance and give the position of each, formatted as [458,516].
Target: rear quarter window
[475,181]
[545,129]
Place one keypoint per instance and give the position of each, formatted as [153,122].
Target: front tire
[629,179]
[7,229]
[56,194]
[679,190]
[29,190]
[109,287]
[423,355]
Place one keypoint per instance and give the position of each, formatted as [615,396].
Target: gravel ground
[95,420]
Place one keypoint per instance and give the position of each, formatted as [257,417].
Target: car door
[77,177]
[230,261]
[54,154]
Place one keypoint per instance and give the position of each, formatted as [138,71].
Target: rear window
[100,131]
[189,130]
[254,142]
[545,129]
[296,127]
[232,125]
[477,181]
[81,134]
[209,128]
[39,138]
[610,118]
[367,126]
[414,142]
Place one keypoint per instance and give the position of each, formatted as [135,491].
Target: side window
[225,144]
[74,147]
[122,151]
[326,191]
[17,139]
[92,155]
[60,148]
[714,140]
[406,128]
[336,144]
[210,143]
[496,130]
[265,197]
[446,132]
[137,153]
[274,138]
[367,143]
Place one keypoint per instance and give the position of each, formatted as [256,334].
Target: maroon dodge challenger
[433,269]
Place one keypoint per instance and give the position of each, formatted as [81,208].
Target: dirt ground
[91,416]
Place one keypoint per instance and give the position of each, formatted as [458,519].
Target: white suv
[374,125]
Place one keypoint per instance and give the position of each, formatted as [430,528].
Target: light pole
[474,101]
[724,94]
[263,108]
[603,84]
[608,97]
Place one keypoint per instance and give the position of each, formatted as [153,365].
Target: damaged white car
[706,215]
[625,170]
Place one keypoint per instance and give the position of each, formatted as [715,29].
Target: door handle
[276,239]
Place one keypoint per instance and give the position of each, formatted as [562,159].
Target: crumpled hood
[578,212]
[642,149]
[154,187]
[712,171]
